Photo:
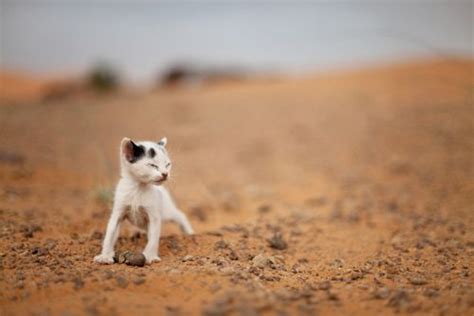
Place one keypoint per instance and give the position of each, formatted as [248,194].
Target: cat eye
[168,164]
[153,165]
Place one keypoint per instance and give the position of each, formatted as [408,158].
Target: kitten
[140,197]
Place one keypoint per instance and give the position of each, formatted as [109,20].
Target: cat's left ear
[163,142]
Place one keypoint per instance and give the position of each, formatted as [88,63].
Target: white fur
[141,199]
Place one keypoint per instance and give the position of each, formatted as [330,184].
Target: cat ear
[163,142]
[131,151]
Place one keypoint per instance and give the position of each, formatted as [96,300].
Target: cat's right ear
[131,151]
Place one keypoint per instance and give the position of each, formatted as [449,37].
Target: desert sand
[346,193]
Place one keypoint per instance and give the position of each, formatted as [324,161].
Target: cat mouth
[160,181]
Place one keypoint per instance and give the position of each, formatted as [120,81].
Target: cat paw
[151,258]
[104,259]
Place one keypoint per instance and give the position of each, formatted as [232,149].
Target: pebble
[29,231]
[121,281]
[50,244]
[97,235]
[338,263]
[221,244]
[138,280]
[430,292]
[121,256]
[136,259]
[325,285]
[187,258]
[108,274]
[418,281]
[332,296]
[381,293]
[277,241]
[399,299]
[260,260]
[233,255]
[38,251]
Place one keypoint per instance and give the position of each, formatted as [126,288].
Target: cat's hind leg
[171,213]
[180,218]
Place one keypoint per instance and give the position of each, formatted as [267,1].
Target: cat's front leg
[154,230]
[107,254]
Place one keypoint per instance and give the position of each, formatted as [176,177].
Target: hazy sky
[143,38]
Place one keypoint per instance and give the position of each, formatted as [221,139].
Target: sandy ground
[366,176]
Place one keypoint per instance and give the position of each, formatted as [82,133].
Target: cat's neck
[132,183]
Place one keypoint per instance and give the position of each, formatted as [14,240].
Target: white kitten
[140,198]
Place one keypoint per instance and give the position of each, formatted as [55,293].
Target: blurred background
[280,92]
[143,39]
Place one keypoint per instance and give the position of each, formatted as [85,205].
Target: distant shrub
[183,74]
[103,77]
[177,74]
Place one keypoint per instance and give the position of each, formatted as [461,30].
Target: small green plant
[104,196]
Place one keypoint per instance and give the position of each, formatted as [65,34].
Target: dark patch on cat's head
[133,152]
[151,153]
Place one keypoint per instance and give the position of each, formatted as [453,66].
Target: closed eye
[168,164]
[153,165]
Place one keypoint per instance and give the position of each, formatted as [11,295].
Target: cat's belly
[137,216]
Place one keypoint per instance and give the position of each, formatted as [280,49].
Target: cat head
[145,161]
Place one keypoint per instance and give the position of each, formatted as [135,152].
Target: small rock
[430,292]
[121,281]
[221,244]
[219,261]
[97,235]
[277,241]
[399,299]
[121,256]
[136,259]
[260,260]
[356,275]
[138,280]
[172,311]
[38,251]
[50,244]
[227,271]
[332,296]
[418,280]
[325,285]
[338,263]
[270,278]
[187,258]
[108,274]
[233,255]
[297,268]
[28,231]
[381,293]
